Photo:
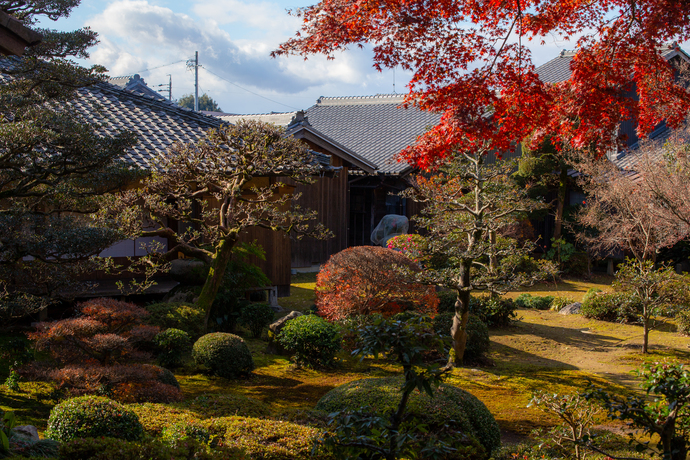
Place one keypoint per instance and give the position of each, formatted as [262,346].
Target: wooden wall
[277,264]
[330,198]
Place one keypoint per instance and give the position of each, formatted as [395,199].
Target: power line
[249,91]
[160,66]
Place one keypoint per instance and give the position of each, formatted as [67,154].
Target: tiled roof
[157,124]
[277,118]
[376,128]
[558,68]
[136,84]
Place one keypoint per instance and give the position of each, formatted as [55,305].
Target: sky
[234,38]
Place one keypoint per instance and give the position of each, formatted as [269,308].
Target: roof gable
[376,128]
[136,84]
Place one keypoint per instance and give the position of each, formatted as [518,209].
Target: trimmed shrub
[90,417]
[266,439]
[172,344]
[177,315]
[494,311]
[477,334]
[683,322]
[368,279]
[536,302]
[224,354]
[256,317]
[609,306]
[152,449]
[177,434]
[225,405]
[450,409]
[312,340]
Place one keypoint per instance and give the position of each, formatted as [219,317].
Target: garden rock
[571,309]
[28,432]
[274,329]
[278,325]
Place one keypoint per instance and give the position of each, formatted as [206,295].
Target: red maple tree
[369,279]
[469,60]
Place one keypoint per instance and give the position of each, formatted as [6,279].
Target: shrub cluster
[177,315]
[477,334]
[91,417]
[225,355]
[450,408]
[97,351]
[610,306]
[535,302]
[172,344]
[312,340]
[256,317]
[494,311]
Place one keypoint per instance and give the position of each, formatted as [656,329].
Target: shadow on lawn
[579,337]
[514,355]
[26,407]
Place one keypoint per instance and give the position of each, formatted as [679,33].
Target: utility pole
[195,63]
[196,82]
[167,87]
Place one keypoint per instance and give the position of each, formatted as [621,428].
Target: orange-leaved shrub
[99,351]
[369,279]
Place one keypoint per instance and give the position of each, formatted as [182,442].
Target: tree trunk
[215,277]
[645,334]
[458,331]
[562,182]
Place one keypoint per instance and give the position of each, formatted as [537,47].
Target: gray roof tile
[157,123]
[374,127]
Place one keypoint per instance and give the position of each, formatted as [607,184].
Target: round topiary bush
[171,344]
[90,417]
[312,340]
[226,355]
[450,407]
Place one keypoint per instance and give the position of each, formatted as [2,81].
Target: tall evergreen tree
[54,164]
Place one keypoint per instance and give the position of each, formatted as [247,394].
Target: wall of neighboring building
[329,198]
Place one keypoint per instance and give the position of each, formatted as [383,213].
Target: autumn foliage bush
[99,352]
[369,279]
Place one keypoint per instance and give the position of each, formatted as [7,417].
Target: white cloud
[260,16]
[137,34]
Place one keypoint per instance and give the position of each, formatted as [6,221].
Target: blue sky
[234,39]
